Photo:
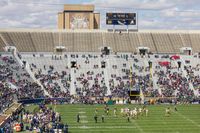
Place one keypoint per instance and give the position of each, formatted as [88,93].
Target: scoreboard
[121,18]
[134,94]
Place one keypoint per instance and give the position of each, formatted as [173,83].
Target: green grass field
[186,120]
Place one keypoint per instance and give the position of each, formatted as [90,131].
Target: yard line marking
[164,122]
[146,126]
[188,119]
[102,130]
[84,127]
[83,121]
[81,112]
[100,127]
[135,123]
[83,116]
[81,108]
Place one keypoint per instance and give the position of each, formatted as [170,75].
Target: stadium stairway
[61,86]
[27,68]
[115,61]
[72,85]
[152,71]
[196,92]
[17,57]
[185,73]
[106,76]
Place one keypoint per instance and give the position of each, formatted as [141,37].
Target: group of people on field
[124,113]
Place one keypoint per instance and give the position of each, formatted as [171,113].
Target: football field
[185,120]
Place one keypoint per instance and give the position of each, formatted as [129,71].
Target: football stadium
[82,78]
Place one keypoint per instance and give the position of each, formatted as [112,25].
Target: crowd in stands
[50,78]
[15,83]
[132,79]
[174,84]
[193,76]
[86,88]
[91,84]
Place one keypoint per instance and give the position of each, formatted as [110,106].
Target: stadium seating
[176,41]
[195,39]
[7,38]
[117,72]
[109,40]
[97,41]
[2,44]
[147,41]
[186,40]
[15,82]
[162,43]
[122,43]
[92,41]
[43,41]
[82,42]
[22,40]
[83,72]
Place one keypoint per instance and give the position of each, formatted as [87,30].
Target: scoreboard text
[121,18]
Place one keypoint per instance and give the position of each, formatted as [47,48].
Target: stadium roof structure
[45,40]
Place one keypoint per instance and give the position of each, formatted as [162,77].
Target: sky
[152,14]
